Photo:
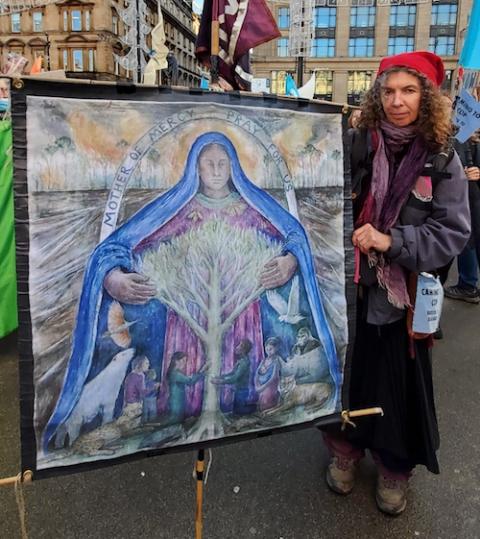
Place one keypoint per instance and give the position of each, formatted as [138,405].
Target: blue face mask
[4,105]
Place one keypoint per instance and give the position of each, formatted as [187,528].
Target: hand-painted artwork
[186,273]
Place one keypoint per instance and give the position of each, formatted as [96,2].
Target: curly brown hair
[434,118]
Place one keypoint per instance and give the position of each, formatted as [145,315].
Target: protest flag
[290,86]
[8,280]
[37,66]
[470,55]
[240,26]
[158,58]
[307,91]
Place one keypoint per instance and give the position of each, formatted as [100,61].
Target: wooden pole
[348,414]
[199,469]
[27,477]
[214,43]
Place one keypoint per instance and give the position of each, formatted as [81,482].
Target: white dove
[287,313]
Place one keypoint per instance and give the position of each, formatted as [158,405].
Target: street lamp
[47,50]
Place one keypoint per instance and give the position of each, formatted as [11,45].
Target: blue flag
[470,56]
[204,84]
[290,86]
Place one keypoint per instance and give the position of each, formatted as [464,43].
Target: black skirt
[384,374]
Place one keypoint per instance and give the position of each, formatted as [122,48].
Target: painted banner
[186,271]
[8,288]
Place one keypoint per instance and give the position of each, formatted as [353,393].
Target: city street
[269,488]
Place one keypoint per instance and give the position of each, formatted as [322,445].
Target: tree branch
[242,306]
[194,325]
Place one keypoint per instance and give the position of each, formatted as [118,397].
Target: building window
[362,17]
[284,18]
[443,45]
[361,46]
[358,83]
[15,22]
[323,48]
[401,16]
[282,47]
[278,82]
[76,19]
[115,24]
[77,57]
[324,85]
[444,14]
[37,21]
[397,45]
[325,17]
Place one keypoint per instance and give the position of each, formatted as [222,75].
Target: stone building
[80,36]
[352,37]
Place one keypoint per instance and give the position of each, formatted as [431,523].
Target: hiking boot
[462,294]
[340,475]
[391,495]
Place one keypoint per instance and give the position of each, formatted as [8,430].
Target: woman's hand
[130,288]
[278,271]
[473,173]
[368,237]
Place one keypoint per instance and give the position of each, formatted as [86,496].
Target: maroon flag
[242,25]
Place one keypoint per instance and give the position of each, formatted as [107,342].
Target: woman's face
[214,168]
[401,94]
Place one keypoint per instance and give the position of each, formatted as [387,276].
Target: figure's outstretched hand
[278,271]
[216,380]
[130,288]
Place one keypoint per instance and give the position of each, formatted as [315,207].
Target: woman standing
[408,219]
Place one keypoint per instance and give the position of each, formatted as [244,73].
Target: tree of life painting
[215,307]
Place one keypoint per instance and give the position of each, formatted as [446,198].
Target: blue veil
[117,251]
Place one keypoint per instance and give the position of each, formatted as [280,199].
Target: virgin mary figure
[213,188]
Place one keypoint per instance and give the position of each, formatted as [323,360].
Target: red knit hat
[424,62]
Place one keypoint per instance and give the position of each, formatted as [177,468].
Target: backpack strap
[437,163]
[360,160]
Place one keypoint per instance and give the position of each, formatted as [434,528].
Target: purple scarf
[389,190]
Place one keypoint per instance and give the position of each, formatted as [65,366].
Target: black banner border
[124,91]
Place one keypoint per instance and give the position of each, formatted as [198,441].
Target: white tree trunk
[211,422]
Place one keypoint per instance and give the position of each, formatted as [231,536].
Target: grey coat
[426,237]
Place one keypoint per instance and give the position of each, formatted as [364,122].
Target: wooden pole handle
[27,477]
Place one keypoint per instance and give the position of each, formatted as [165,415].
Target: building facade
[350,38]
[81,37]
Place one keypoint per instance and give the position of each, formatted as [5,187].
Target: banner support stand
[26,477]
[348,414]
[199,469]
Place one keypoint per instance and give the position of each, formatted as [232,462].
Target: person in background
[406,222]
[469,259]
[354,118]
